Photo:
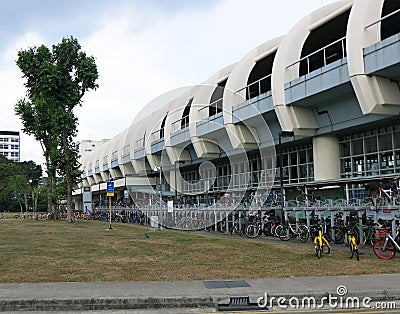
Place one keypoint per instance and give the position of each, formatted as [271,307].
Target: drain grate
[239,303]
[239,300]
[215,284]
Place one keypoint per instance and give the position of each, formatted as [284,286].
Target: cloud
[144,49]
[141,56]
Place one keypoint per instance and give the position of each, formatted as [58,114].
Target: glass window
[345,149]
[385,141]
[386,163]
[302,156]
[372,165]
[370,144]
[358,147]
[358,166]
[396,137]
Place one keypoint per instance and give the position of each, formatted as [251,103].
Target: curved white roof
[286,66]
[149,117]
[239,77]
[364,31]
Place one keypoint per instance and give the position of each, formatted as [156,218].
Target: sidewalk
[175,294]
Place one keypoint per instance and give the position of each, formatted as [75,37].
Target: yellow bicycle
[321,244]
[352,243]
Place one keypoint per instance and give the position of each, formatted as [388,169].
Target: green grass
[56,251]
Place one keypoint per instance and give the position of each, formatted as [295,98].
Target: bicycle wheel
[318,248]
[221,225]
[278,230]
[328,235]
[268,229]
[285,234]
[326,248]
[251,231]
[318,252]
[304,233]
[386,254]
[355,252]
[338,235]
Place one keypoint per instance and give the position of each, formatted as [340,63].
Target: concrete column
[326,157]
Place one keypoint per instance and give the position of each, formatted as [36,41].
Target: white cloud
[136,64]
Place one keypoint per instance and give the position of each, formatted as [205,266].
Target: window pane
[385,142]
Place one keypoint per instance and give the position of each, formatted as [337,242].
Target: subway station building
[315,109]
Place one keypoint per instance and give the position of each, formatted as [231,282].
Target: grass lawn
[56,251]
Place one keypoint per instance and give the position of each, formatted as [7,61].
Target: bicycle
[273,199]
[254,227]
[298,230]
[368,231]
[338,229]
[238,225]
[352,243]
[386,248]
[267,225]
[321,244]
[310,199]
[325,225]
[384,193]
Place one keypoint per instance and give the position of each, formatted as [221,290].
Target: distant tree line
[19,186]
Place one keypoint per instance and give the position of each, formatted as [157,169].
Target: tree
[56,81]
[17,181]
[13,184]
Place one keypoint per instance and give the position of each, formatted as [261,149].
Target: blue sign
[110,187]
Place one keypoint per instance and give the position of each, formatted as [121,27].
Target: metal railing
[320,57]
[217,105]
[139,143]
[157,134]
[256,88]
[377,22]
[180,124]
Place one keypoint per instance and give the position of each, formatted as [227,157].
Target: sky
[142,48]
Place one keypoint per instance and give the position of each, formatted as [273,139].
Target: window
[371,152]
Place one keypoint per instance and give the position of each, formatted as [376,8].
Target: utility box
[154,221]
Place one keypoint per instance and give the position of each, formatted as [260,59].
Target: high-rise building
[9,145]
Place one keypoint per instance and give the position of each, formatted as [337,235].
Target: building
[87,146]
[315,109]
[10,145]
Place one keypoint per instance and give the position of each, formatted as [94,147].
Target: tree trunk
[51,186]
[68,176]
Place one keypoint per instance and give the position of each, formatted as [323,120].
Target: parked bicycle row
[351,226]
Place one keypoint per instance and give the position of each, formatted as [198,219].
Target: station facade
[315,109]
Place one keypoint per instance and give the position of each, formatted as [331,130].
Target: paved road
[158,296]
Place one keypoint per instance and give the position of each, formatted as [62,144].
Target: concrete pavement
[77,296]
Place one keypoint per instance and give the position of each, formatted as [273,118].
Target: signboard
[126,194]
[110,188]
[87,199]
[87,194]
